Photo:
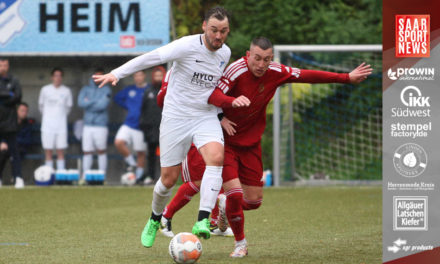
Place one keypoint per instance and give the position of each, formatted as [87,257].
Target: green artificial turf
[103,225]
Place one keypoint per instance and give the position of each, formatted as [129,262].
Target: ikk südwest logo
[412,35]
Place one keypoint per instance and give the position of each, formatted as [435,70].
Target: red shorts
[244,163]
[193,166]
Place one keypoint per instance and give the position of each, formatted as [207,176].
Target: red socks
[184,194]
[234,212]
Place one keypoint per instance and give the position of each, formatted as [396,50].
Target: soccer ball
[128,178]
[185,248]
[43,175]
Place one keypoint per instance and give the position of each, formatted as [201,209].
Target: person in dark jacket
[24,135]
[10,97]
[149,122]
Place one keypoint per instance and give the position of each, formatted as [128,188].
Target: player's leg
[87,148]
[100,140]
[175,141]
[122,138]
[235,215]
[61,145]
[252,197]
[209,140]
[140,147]
[48,143]
[250,171]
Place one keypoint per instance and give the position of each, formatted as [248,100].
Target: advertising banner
[75,27]
[411,125]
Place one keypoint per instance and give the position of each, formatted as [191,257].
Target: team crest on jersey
[221,63]
[132,93]
[260,88]
[10,20]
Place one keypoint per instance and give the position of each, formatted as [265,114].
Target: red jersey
[238,80]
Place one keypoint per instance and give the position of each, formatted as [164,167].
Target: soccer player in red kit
[256,77]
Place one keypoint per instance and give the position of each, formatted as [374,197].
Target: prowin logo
[411,96]
[412,74]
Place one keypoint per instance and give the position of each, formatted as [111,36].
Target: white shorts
[94,138]
[176,136]
[132,137]
[54,140]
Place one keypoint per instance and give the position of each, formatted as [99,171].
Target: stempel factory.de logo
[412,35]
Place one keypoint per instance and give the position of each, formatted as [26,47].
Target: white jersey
[54,104]
[195,73]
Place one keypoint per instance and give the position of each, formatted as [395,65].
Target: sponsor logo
[222,63]
[412,74]
[411,186]
[412,35]
[410,160]
[402,245]
[127,42]
[199,61]
[10,21]
[203,79]
[412,97]
[411,130]
[410,213]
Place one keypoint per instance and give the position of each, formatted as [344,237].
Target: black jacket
[151,114]
[10,97]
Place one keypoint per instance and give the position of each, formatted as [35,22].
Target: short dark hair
[218,12]
[99,69]
[4,59]
[55,70]
[262,42]
[23,104]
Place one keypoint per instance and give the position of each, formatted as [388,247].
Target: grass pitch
[103,225]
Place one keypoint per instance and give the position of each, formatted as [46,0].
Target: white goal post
[278,49]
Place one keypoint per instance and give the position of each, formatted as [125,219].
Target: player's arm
[219,99]
[170,52]
[228,126]
[313,76]
[160,99]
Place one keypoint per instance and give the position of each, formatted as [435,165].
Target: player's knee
[119,143]
[215,159]
[252,204]
[162,188]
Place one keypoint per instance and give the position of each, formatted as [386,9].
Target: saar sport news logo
[10,20]
[412,35]
[411,74]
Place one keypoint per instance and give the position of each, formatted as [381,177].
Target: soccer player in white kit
[198,63]
[55,102]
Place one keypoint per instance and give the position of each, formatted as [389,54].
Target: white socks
[161,196]
[102,162]
[49,163]
[210,187]
[61,165]
[139,172]
[130,160]
[87,162]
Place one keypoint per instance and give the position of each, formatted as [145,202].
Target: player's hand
[228,126]
[360,73]
[3,146]
[104,79]
[241,101]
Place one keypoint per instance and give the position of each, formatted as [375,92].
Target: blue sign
[82,27]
